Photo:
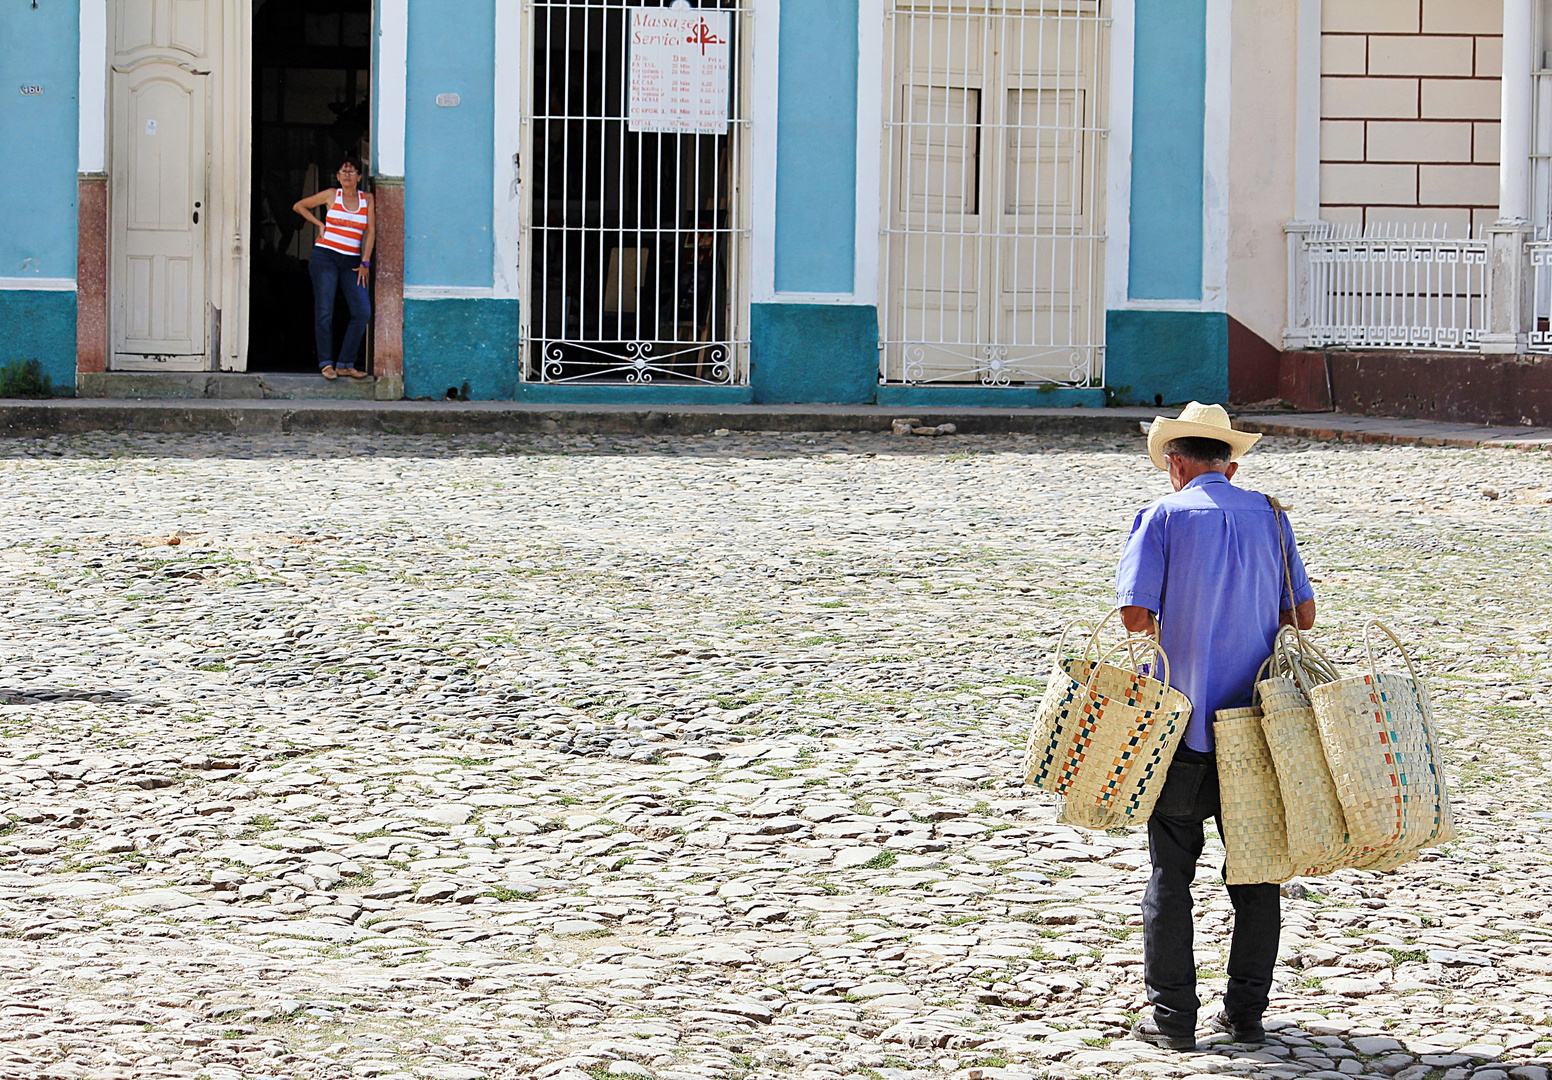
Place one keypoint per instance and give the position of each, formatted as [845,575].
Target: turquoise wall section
[1175,356]
[813,352]
[816,147]
[448,343]
[38,47]
[449,153]
[1168,113]
[39,325]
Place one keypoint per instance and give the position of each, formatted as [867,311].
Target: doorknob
[196,213]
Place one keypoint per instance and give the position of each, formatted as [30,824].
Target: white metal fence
[993,191]
[1396,287]
[637,242]
[1539,254]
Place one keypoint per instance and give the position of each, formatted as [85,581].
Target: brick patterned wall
[1409,112]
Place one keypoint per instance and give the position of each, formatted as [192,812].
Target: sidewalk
[67,416]
[1340,427]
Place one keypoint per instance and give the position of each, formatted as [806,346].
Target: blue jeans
[1190,797]
[331,272]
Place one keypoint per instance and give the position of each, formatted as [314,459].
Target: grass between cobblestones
[696,757]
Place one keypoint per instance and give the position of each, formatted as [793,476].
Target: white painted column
[1219,91]
[392,85]
[92,137]
[1306,125]
[1514,131]
[507,216]
[1509,277]
[1118,154]
[1306,176]
[866,288]
[763,84]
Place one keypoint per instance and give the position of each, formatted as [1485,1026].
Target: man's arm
[1139,620]
[1305,613]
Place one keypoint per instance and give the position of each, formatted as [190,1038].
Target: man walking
[1204,570]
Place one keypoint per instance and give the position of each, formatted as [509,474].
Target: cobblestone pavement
[695,758]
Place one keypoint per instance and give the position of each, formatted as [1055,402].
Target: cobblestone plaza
[696,757]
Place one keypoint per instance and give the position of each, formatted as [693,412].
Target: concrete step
[233,386]
[60,416]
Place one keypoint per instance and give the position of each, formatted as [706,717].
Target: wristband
[366,262]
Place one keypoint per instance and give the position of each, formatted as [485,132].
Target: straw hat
[1197,421]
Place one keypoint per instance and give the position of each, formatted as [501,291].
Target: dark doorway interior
[633,233]
[311,83]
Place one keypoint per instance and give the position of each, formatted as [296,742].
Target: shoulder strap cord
[1282,545]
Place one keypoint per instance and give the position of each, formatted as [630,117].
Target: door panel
[159,190]
[188,31]
[943,151]
[994,231]
[135,27]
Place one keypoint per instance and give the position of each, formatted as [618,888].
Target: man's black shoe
[1147,1031]
[1252,1034]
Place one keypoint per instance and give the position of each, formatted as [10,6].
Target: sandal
[354,373]
[329,372]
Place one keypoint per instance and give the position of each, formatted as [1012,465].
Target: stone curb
[67,416]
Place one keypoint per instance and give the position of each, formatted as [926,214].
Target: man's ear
[1233,468]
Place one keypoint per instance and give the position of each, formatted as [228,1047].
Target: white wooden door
[160,218]
[993,224]
[175,255]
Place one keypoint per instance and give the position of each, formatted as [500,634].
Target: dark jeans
[332,272]
[1190,797]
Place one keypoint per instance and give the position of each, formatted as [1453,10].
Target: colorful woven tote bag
[1104,735]
[1383,750]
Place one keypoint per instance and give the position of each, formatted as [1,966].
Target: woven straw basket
[1317,829]
[1378,734]
[1255,837]
[1318,841]
[1104,735]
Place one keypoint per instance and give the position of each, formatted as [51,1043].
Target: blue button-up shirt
[1206,561]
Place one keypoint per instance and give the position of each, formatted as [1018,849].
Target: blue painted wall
[448,343]
[816,147]
[1176,356]
[40,325]
[1168,112]
[449,152]
[813,352]
[38,46]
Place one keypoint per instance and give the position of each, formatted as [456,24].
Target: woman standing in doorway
[341,259]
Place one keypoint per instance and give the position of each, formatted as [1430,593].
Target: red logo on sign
[703,37]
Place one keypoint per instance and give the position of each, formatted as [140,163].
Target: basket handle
[1368,643]
[1261,673]
[1061,642]
[1131,644]
[1093,642]
[1303,660]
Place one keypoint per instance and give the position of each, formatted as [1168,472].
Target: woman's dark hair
[351,160]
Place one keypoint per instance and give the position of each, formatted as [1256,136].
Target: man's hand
[1305,613]
[1139,620]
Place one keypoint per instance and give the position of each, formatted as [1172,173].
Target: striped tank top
[342,229]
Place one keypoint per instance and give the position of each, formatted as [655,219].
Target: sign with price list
[680,61]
